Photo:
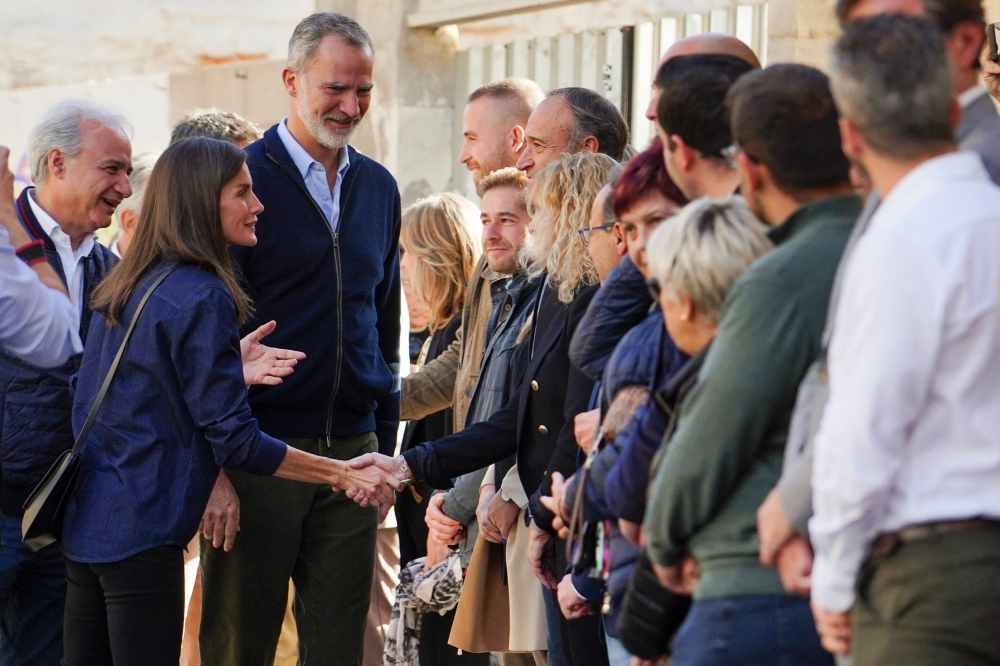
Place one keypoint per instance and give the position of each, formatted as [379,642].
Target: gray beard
[329,139]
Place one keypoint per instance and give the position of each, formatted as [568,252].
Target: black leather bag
[46,506]
[650,614]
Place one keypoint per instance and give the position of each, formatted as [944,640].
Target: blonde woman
[440,241]
[537,423]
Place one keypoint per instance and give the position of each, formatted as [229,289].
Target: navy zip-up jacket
[335,296]
[36,404]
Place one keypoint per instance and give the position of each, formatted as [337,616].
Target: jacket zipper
[335,237]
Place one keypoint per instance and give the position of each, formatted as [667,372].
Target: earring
[684,317]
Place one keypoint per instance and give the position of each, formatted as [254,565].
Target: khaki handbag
[482,619]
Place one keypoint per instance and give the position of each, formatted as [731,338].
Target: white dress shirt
[71,260]
[314,174]
[911,432]
[971,95]
[37,324]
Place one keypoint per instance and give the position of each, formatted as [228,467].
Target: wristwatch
[405,469]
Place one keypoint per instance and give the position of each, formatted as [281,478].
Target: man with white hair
[80,157]
[128,211]
[326,269]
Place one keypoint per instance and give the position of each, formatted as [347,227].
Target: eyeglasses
[654,288]
[585,233]
[730,152]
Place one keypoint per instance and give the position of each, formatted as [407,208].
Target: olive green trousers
[322,540]
[933,602]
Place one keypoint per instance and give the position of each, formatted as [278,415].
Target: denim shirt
[512,302]
[176,411]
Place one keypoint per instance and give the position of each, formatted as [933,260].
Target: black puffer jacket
[37,404]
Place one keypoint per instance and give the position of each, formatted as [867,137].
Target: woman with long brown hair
[175,411]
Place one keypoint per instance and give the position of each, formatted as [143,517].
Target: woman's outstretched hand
[263,364]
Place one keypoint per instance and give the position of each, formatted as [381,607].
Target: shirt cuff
[832,589]
[512,490]
[267,457]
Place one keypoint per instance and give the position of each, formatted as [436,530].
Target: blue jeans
[555,655]
[32,595]
[758,630]
[617,654]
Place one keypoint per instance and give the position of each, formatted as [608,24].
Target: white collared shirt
[971,95]
[911,432]
[314,174]
[36,323]
[71,260]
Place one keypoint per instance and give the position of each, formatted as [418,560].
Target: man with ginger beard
[80,159]
[326,269]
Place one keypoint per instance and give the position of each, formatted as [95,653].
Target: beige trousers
[527,606]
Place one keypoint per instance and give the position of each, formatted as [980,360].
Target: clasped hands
[373,479]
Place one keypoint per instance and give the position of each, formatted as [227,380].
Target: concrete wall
[126,53]
[46,42]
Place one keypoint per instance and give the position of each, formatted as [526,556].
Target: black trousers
[434,648]
[583,640]
[127,613]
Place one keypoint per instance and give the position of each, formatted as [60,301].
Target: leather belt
[887,544]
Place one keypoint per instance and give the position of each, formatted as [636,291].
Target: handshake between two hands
[373,479]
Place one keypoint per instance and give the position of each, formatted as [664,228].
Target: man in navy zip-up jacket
[326,268]
[78,187]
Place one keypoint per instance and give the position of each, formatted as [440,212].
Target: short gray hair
[890,77]
[703,249]
[215,124]
[142,166]
[61,127]
[312,29]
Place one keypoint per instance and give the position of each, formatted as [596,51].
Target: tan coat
[450,379]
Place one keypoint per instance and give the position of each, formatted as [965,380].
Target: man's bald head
[709,43]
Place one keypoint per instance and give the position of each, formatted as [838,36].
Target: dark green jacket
[726,453]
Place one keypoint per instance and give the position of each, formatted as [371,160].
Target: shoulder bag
[46,506]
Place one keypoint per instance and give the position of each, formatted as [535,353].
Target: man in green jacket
[727,450]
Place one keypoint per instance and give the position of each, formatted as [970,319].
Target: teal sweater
[725,455]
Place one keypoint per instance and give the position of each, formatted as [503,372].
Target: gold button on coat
[534,385]
[542,429]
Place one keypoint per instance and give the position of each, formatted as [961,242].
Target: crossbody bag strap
[92,416]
